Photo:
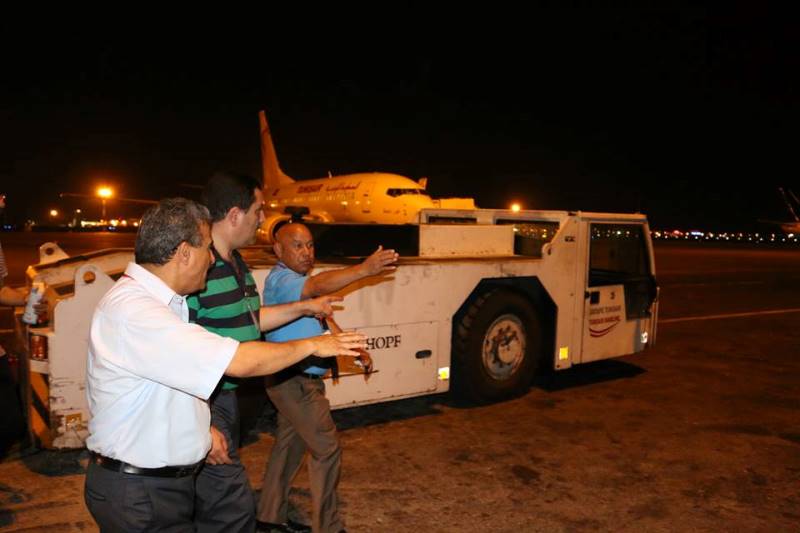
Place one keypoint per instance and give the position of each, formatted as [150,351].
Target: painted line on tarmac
[731,315]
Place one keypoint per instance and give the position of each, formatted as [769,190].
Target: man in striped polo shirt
[230,306]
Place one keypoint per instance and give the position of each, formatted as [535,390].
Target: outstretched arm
[275,316]
[257,358]
[327,282]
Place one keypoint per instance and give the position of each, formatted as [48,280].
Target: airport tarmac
[699,433]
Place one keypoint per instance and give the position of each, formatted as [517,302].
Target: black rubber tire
[472,381]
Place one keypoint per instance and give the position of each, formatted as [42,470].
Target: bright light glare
[515,207]
[105,192]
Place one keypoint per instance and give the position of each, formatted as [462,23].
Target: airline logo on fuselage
[343,187]
[305,189]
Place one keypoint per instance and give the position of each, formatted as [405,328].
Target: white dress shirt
[149,375]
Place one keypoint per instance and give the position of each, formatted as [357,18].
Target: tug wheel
[496,347]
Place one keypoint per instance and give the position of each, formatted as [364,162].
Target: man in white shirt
[150,373]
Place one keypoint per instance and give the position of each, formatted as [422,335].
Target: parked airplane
[789,227]
[363,197]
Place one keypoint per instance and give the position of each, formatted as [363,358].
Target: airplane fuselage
[363,197]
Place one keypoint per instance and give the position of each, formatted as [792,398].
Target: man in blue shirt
[304,418]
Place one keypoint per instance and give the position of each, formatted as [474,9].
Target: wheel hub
[504,346]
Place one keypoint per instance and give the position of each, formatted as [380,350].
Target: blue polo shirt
[284,285]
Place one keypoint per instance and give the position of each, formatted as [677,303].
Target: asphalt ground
[699,433]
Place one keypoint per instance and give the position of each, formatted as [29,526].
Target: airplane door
[366,197]
[619,291]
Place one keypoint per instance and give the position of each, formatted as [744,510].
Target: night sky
[689,116]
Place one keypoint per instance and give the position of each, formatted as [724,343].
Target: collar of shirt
[160,290]
[284,267]
[236,265]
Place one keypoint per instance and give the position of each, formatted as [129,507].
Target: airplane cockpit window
[401,192]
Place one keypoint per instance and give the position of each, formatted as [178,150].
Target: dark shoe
[289,527]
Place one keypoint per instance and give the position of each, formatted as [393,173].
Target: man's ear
[233,215]
[183,253]
[277,249]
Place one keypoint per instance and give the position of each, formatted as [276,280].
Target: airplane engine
[266,233]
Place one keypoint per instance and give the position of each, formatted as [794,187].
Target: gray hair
[165,226]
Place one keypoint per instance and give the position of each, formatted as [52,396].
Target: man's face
[251,219]
[295,248]
[200,259]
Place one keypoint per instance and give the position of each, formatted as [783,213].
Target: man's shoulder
[127,298]
[283,285]
[219,278]
[280,273]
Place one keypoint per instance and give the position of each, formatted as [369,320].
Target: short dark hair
[165,226]
[225,190]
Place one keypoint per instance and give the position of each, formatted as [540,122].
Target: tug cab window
[531,235]
[618,256]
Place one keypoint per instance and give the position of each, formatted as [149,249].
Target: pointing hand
[322,306]
[345,343]
[381,261]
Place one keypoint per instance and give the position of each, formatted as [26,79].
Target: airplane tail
[788,203]
[273,176]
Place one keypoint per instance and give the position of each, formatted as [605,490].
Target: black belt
[125,468]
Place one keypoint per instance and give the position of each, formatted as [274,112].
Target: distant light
[53,213]
[114,222]
[136,224]
[444,373]
[77,210]
[124,223]
[105,192]
[515,208]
